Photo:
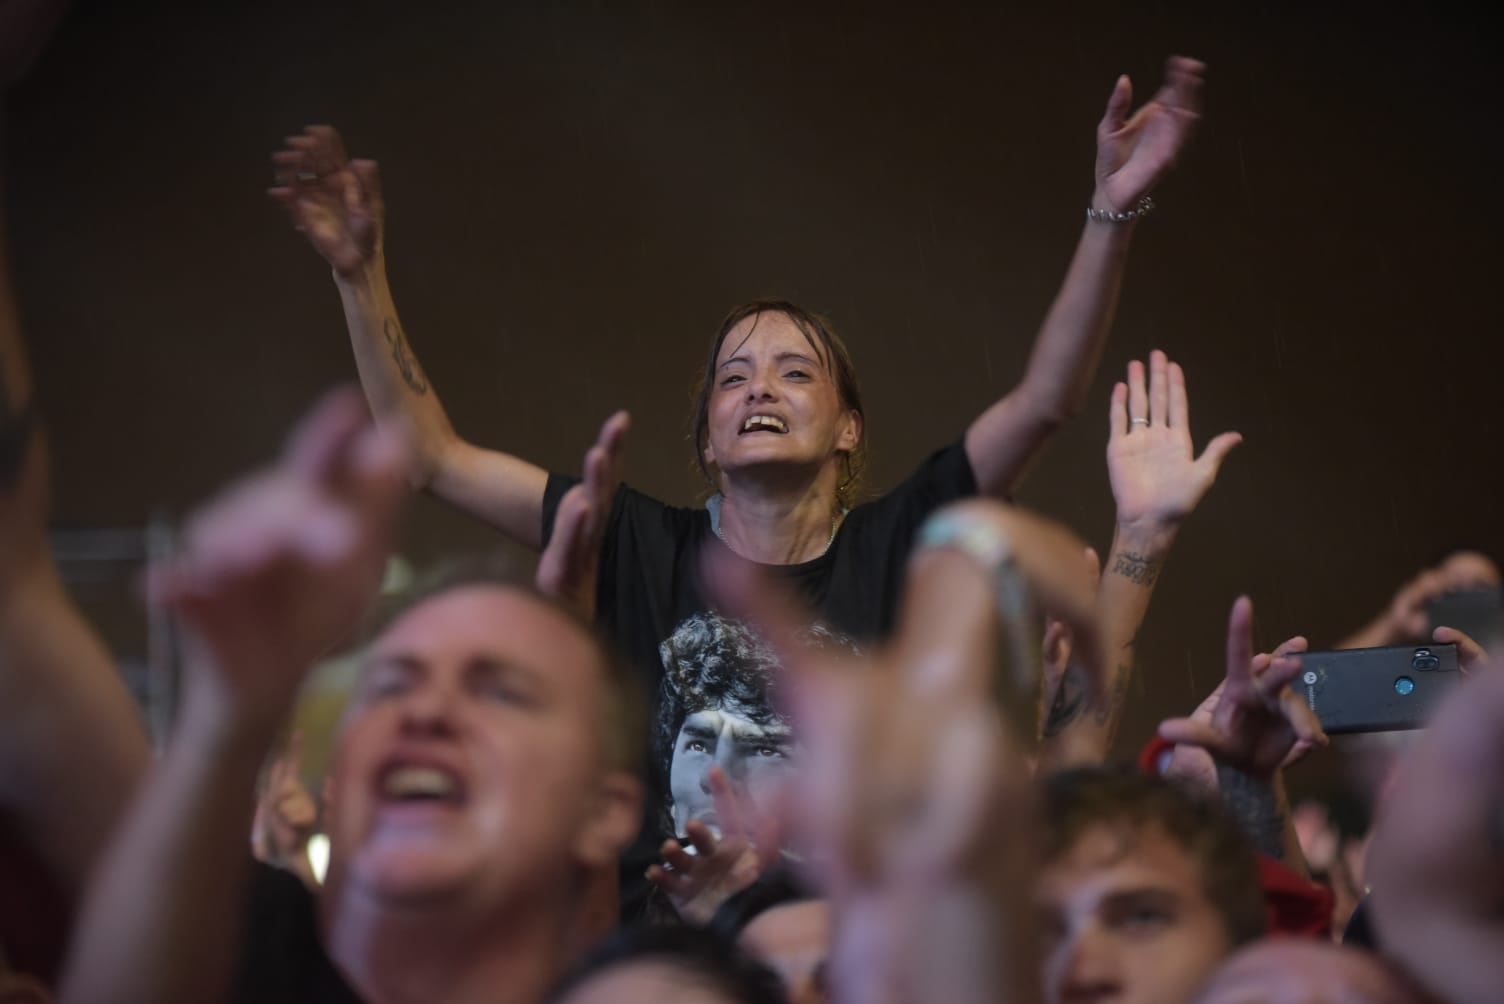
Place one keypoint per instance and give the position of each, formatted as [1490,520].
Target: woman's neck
[779,527]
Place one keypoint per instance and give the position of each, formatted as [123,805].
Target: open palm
[1156,476]
[335,201]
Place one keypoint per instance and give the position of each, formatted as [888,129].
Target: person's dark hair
[1126,799]
[699,957]
[710,662]
[623,710]
[832,353]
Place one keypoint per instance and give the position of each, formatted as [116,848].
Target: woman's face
[774,402]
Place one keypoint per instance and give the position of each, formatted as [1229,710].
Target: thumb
[1117,105]
[1217,450]
[1093,566]
[367,186]
[1470,654]
[1190,732]
[382,456]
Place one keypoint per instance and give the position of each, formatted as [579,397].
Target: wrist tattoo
[407,364]
[1107,713]
[1137,568]
[1259,811]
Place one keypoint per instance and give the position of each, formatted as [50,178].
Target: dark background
[577,192]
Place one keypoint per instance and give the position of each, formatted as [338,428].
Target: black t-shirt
[282,957]
[708,678]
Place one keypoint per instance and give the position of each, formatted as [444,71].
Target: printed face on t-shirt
[755,757]
[716,708]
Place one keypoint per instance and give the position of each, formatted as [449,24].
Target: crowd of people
[800,743]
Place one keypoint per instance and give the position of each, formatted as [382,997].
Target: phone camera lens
[1404,686]
[1424,661]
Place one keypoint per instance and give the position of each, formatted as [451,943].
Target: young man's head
[1145,889]
[780,391]
[488,754]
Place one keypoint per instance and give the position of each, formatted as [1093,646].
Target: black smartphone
[1477,613]
[1390,689]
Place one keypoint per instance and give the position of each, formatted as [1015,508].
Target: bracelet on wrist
[1143,208]
[986,544]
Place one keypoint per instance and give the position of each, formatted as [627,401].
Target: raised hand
[1156,477]
[1134,153]
[569,567]
[909,767]
[1254,722]
[723,864]
[1194,766]
[286,813]
[335,201]
[912,800]
[1408,616]
[283,563]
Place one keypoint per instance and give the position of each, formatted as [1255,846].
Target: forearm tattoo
[1107,712]
[1257,808]
[407,364]
[1137,568]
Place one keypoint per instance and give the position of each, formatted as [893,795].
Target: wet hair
[1130,801]
[623,715]
[833,355]
[697,957]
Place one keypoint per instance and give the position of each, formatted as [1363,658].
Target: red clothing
[1296,905]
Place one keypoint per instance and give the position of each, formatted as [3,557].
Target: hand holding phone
[1390,689]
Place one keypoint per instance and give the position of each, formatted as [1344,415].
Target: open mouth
[420,784]
[764,423]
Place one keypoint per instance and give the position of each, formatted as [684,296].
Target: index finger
[1240,642]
